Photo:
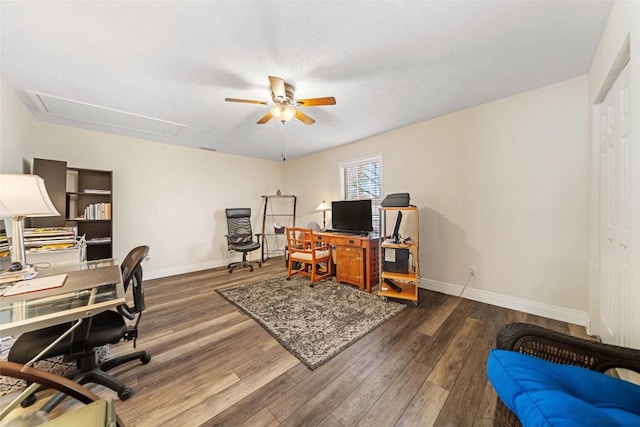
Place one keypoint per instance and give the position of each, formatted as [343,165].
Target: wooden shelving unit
[399,260]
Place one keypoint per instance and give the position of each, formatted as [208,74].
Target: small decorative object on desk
[279,193]
[278,228]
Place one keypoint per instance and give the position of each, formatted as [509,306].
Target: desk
[357,258]
[91,287]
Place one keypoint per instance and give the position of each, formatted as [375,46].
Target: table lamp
[23,196]
[324,207]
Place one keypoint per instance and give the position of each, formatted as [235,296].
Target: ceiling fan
[284,105]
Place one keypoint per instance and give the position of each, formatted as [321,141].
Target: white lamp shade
[24,196]
[324,206]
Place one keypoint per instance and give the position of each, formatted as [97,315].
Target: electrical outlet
[472,271]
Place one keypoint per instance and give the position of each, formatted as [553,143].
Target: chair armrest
[561,348]
[38,376]
[56,382]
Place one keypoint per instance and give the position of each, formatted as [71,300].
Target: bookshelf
[89,208]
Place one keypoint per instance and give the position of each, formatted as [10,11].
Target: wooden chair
[96,412]
[307,255]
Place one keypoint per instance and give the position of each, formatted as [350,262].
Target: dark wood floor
[213,365]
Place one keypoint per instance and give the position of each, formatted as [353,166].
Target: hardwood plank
[446,371]
[365,395]
[425,407]
[207,407]
[253,404]
[264,418]
[436,318]
[464,399]
[390,407]
[157,408]
[580,332]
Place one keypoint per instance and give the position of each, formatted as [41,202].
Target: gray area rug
[314,324]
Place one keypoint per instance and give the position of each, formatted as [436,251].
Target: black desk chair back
[240,236]
[108,327]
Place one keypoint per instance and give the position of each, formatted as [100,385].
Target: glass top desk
[90,288]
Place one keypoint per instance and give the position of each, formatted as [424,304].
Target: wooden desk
[357,258]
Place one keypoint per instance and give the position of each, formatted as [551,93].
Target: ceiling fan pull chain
[282,143]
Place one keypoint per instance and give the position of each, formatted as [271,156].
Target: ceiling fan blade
[277,88]
[304,118]
[246,101]
[265,118]
[314,102]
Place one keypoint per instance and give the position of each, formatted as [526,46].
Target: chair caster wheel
[231,270]
[385,299]
[311,285]
[125,394]
[145,359]
[30,400]
[416,303]
[251,269]
[288,278]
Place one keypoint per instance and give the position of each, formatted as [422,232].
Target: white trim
[546,310]
[182,269]
[192,268]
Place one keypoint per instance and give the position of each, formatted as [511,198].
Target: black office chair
[108,327]
[240,236]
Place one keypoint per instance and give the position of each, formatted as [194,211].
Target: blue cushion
[542,393]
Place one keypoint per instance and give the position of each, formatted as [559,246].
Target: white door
[615,273]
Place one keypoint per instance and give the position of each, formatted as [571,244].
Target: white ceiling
[150,68]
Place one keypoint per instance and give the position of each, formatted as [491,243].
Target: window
[362,179]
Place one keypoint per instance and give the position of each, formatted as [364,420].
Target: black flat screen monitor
[351,215]
[396,228]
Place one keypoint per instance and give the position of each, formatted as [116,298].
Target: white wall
[17,132]
[169,197]
[623,28]
[502,187]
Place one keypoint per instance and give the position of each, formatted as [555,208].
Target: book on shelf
[4,242]
[97,211]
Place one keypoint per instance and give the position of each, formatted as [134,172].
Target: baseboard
[182,269]
[533,307]
[191,268]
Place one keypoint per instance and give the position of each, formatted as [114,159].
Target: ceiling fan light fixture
[283,113]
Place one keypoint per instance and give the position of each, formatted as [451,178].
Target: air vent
[97,115]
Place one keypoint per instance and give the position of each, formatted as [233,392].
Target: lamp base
[18,257]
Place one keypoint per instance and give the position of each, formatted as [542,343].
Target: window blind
[363,180]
